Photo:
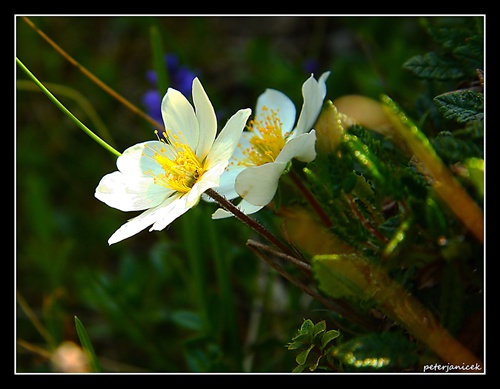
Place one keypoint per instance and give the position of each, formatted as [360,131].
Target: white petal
[171,212]
[314,93]
[322,83]
[228,138]
[258,184]
[279,102]
[179,117]
[139,223]
[244,206]
[207,120]
[131,161]
[301,148]
[128,193]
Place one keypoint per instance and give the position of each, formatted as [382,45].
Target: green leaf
[461,106]
[453,149]
[475,173]
[295,345]
[319,327]
[95,366]
[341,275]
[187,319]
[306,326]
[327,337]
[432,66]
[364,155]
[378,351]
[299,369]
[301,358]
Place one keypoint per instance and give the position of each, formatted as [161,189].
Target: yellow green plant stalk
[352,275]
[441,179]
[66,111]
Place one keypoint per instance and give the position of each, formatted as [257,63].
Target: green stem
[66,111]
[82,101]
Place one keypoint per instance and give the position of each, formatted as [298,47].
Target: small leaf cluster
[315,347]
[459,52]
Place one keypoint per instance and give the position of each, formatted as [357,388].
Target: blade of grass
[95,366]
[226,297]
[81,100]
[66,111]
[159,61]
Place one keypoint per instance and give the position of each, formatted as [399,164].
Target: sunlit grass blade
[442,180]
[66,111]
[95,366]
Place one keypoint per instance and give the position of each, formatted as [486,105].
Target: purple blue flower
[181,78]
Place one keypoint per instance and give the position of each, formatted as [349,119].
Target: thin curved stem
[253,224]
[59,105]
[93,78]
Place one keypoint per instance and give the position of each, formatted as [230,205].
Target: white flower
[167,177]
[266,150]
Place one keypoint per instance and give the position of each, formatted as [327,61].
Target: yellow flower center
[180,165]
[266,138]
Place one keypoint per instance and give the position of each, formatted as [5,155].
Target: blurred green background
[191,298]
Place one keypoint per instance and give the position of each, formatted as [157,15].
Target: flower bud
[364,111]
[329,129]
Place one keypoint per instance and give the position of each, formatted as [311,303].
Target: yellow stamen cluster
[180,164]
[266,138]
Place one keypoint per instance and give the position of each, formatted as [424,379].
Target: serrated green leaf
[453,149]
[431,66]
[462,106]
[367,159]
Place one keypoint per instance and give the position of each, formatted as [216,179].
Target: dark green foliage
[459,52]
[461,106]
[431,66]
